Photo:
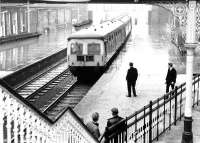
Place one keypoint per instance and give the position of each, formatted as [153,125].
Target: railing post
[126,131]
[150,122]
[181,100]
[135,127]
[144,126]
[16,123]
[2,111]
[198,91]
[170,111]
[1,126]
[193,93]
[175,109]
[164,115]
[157,119]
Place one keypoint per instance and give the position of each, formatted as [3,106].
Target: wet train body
[91,50]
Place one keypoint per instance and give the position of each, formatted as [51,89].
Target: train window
[94,49]
[80,58]
[76,48]
[89,58]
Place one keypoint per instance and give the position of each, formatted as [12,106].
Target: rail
[46,85]
[22,122]
[151,121]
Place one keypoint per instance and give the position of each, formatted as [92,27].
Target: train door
[123,34]
[105,47]
[105,51]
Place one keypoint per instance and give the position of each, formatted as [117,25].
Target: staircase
[21,122]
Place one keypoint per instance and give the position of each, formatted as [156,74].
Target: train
[92,49]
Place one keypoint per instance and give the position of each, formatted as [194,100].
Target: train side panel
[116,39]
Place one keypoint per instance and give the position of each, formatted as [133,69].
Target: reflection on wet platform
[15,55]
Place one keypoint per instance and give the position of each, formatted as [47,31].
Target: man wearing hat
[171,77]
[115,119]
[131,78]
[93,125]
[114,124]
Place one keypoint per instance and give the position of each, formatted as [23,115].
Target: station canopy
[97,1]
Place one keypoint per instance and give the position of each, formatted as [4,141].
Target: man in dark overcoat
[131,78]
[114,124]
[115,118]
[171,77]
[93,125]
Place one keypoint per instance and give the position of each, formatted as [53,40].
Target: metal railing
[151,121]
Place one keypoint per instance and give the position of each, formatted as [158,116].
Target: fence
[151,121]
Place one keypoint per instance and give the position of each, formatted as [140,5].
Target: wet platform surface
[150,52]
[18,54]
[175,134]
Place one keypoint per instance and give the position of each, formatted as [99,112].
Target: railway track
[55,90]
[48,87]
[70,99]
[41,81]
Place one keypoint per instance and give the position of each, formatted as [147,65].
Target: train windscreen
[77,48]
[94,49]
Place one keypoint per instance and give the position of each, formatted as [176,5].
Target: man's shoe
[128,96]
[135,95]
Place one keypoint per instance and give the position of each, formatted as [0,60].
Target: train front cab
[85,55]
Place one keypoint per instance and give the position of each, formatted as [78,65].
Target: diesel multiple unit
[93,48]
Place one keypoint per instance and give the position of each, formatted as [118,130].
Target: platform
[150,54]
[175,134]
[18,54]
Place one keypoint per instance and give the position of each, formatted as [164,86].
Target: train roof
[100,30]
[125,18]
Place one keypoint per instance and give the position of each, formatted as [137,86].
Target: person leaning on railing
[114,125]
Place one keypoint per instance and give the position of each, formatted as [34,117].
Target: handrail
[14,93]
[161,105]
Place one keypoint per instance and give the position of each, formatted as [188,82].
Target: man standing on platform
[131,78]
[171,77]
